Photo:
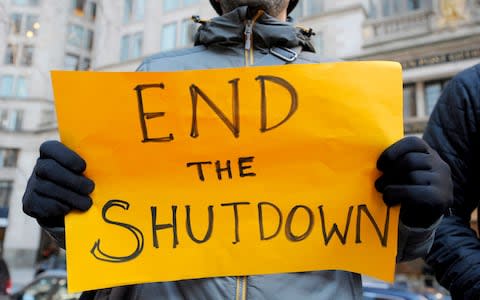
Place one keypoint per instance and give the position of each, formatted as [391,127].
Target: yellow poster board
[230,172]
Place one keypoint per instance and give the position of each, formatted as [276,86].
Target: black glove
[57,185]
[416,177]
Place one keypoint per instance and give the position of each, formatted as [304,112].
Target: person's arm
[453,132]
[57,186]
[414,176]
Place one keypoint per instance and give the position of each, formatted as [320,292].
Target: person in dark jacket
[253,32]
[454,131]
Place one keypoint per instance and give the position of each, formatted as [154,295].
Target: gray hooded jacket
[220,43]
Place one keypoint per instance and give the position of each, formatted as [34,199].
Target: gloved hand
[416,177]
[57,185]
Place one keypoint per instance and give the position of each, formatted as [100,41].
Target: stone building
[36,36]
[432,39]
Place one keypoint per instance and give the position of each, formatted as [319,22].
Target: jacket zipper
[249,59]
[241,292]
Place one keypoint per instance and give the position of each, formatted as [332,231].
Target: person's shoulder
[306,57]
[169,60]
[469,77]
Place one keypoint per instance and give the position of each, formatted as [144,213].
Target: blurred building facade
[433,39]
[36,36]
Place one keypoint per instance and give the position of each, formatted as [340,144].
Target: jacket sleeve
[453,132]
[57,233]
[414,242]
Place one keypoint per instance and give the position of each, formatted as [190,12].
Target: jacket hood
[268,32]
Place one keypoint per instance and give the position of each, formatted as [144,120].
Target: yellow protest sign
[230,172]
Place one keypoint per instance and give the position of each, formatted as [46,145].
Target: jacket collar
[228,31]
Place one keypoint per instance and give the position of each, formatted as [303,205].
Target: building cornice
[430,40]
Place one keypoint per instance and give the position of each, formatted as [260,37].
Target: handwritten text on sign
[230,172]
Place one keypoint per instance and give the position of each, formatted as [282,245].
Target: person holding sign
[252,32]
[453,131]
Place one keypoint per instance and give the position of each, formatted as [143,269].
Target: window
[31,27]
[16,23]
[187,30]
[169,36]
[131,46]
[392,7]
[8,157]
[85,64]
[30,24]
[134,10]
[89,40]
[27,55]
[372,9]
[433,90]
[78,7]
[13,51]
[26,2]
[386,8]
[84,8]
[21,87]
[8,88]
[6,85]
[127,10]
[75,35]
[139,10]
[71,62]
[137,45]
[409,101]
[125,45]
[169,5]
[397,6]
[91,11]
[10,55]
[48,117]
[5,191]
[413,4]
[80,37]
[11,120]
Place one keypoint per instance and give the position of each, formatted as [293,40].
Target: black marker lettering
[260,220]
[242,167]
[235,213]
[383,237]
[149,115]
[101,255]
[293,103]
[288,224]
[199,168]
[156,227]
[233,125]
[210,225]
[335,230]
[219,169]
